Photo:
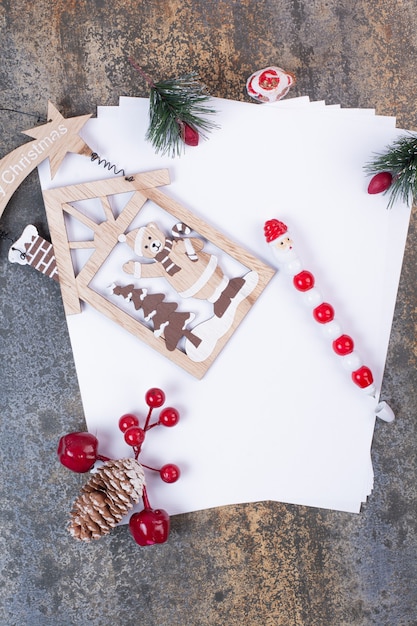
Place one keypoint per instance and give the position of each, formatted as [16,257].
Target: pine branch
[174,105]
[400,160]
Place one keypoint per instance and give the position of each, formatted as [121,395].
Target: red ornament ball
[323,313]
[128,420]
[380,182]
[343,345]
[134,436]
[155,398]
[170,473]
[169,417]
[303,281]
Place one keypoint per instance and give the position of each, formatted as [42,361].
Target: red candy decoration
[150,526]
[78,451]
[363,377]
[343,345]
[323,313]
[303,281]
[380,182]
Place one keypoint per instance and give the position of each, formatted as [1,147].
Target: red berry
[380,182]
[343,345]
[78,451]
[150,526]
[155,398]
[303,281]
[189,135]
[170,473]
[169,416]
[128,420]
[134,436]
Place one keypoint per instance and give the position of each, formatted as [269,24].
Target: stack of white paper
[276,417]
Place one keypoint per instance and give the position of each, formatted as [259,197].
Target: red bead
[169,416]
[323,313]
[128,420]
[343,345]
[380,182]
[150,526]
[134,436]
[78,451]
[170,473]
[155,398]
[363,377]
[303,281]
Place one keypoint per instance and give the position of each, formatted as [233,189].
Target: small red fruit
[170,473]
[78,451]
[169,416]
[189,135]
[155,398]
[128,420]
[150,526]
[134,436]
[380,182]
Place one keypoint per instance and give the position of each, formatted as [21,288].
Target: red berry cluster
[78,452]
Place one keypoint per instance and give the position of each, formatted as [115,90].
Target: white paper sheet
[276,417]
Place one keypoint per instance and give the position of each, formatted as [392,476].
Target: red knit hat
[274,229]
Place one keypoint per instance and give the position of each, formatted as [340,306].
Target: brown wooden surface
[265,564]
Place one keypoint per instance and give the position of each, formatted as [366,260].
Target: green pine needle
[400,160]
[172,103]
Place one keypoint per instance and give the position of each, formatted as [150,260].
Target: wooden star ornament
[51,140]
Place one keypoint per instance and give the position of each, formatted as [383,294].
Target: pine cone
[106,498]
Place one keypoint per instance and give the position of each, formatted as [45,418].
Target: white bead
[332,329]
[292,267]
[351,361]
[312,297]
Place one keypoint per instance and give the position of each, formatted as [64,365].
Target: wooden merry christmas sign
[51,141]
[170,253]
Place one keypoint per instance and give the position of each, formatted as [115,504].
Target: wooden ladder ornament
[213,333]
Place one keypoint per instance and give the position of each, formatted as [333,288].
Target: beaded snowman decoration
[276,235]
